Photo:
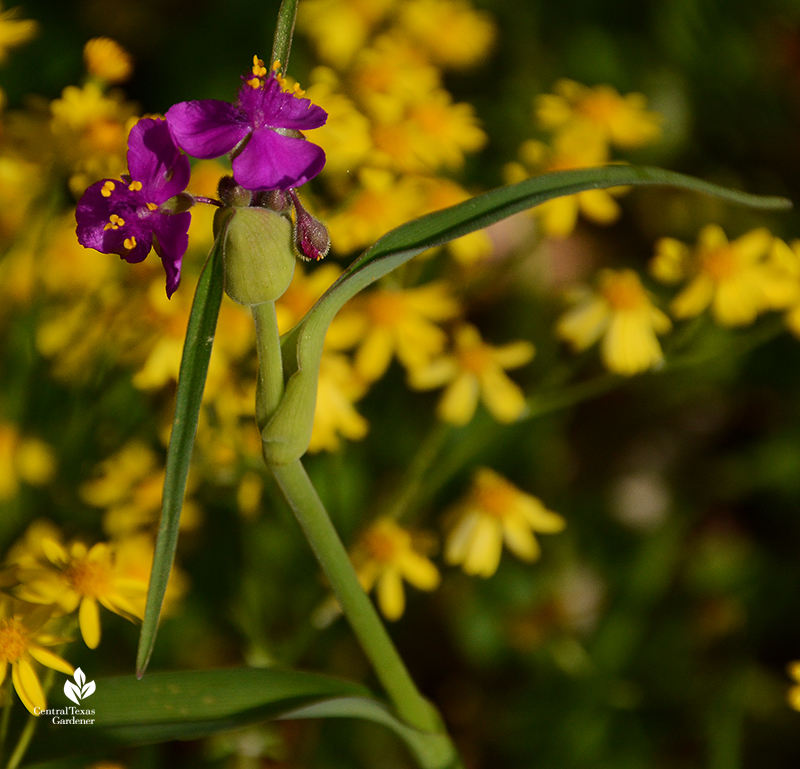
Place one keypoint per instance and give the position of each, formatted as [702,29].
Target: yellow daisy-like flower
[622,120]
[27,460]
[23,641]
[475,371]
[470,33]
[493,512]
[335,415]
[733,278]
[793,695]
[622,314]
[384,556]
[77,577]
[14,31]
[785,258]
[579,148]
[107,60]
[402,323]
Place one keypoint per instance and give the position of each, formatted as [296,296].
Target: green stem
[283,33]
[22,744]
[270,366]
[5,718]
[357,607]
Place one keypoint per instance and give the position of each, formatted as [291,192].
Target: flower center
[384,542]
[624,291]
[494,499]
[386,309]
[13,639]
[720,263]
[89,578]
[475,359]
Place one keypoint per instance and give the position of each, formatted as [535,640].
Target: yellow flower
[27,460]
[334,415]
[402,323]
[384,556]
[785,258]
[77,577]
[107,60]
[129,486]
[622,314]
[14,31]
[475,371]
[733,278]
[340,28]
[794,693]
[469,35]
[578,148]
[495,511]
[345,137]
[23,641]
[621,120]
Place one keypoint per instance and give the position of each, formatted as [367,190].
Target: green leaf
[181,706]
[191,381]
[432,750]
[286,436]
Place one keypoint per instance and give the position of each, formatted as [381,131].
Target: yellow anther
[276,65]
[129,243]
[151,206]
[107,188]
[114,222]
[298,91]
[135,186]
[254,82]
[259,70]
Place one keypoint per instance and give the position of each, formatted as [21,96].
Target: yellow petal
[503,399]
[459,401]
[375,354]
[483,556]
[694,298]
[391,599]
[50,660]
[89,622]
[519,538]
[418,570]
[514,354]
[27,685]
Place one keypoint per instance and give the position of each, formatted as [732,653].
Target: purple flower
[263,128]
[125,216]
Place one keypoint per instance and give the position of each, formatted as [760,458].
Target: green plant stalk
[269,390]
[357,607]
[283,34]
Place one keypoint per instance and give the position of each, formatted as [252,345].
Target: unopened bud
[311,238]
[257,254]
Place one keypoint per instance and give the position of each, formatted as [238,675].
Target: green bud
[257,253]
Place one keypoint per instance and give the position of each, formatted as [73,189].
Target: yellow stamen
[114,222]
[254,82]
[135,186]
[151,206]
[259,70]
[107,188]
[276,65]
[129,243]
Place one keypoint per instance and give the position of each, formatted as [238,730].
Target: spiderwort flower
[262,129]
[128,216]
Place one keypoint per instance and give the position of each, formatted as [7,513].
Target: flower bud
[257,253]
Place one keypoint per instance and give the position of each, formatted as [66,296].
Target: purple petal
[207,128]
[155,161]
[272,107]
[271,161]
[93,213]
[170,244]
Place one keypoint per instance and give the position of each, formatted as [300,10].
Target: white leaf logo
[80,689]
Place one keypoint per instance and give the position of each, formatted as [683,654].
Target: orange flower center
[495,499]
[623,291]
[382,545]
[600,107]
[89,578]
[386,309]
[720,263]
[475,359]
[13,640]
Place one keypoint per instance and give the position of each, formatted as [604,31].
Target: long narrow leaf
[181,706]
[283,441]
[191,382]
